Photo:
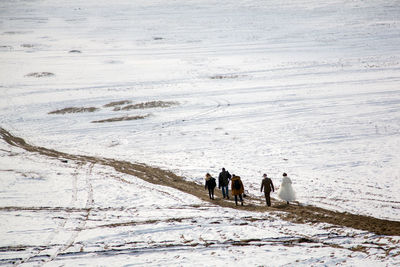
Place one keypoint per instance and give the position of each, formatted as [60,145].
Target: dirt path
[293,213]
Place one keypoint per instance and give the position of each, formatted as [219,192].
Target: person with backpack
[210,185]
[223,182]
[237,188]
[267,185]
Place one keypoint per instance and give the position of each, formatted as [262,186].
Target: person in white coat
[286,191]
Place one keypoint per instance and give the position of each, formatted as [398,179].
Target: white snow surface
[307,87]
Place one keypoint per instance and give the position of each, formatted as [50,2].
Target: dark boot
[268,200]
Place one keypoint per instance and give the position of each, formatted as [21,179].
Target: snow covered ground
[88,214]
[310,88]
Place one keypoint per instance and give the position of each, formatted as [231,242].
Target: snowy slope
[92,215]
[310,88]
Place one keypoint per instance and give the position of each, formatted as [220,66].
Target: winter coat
[267,185]
[210,183]
[223,178]
[236,191]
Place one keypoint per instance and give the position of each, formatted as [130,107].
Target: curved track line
[218,105]
[82,223]
[43,248]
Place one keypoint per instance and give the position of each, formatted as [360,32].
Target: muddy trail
[293,213]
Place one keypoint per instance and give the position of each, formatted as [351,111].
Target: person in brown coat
[237,188]
[267,185]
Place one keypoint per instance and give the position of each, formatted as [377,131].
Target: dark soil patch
[6,47]
[145,105]
[225,76]
[15,32]
[73,110]
[28,45]
[293,213]
[126,118]
[40,74]
[117,103]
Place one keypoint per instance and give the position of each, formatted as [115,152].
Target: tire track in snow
[82,223]
[148,188]
[170,246]
[44,251]
[37,251]
[219,104]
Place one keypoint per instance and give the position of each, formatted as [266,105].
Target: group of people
[224,179]
[285,191]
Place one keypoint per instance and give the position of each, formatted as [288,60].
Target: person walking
[286,191]
[223,182]
[237,188]
[210,185]
[267,185]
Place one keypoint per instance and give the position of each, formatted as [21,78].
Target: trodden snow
[310,88]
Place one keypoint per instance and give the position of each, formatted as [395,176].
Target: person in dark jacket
[210,185]
[237,188]
[223,182]
[268,186]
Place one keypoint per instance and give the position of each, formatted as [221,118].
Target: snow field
[106,217]
[308,87]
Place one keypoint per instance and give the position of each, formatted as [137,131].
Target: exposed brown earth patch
[28,45]
[293,213]
[117,103]
[73,110]
[126,118]
[225,76]
[40,74]
[145,105]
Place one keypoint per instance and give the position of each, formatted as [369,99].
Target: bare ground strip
[293,213]
[73,110]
